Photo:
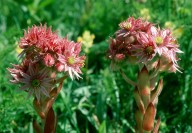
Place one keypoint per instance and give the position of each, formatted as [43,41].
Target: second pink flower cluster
[147,43]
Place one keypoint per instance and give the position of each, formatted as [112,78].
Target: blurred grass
[102,101]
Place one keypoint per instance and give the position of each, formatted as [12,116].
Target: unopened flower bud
[49,60]
[129,40]
[60,67]
[119,57]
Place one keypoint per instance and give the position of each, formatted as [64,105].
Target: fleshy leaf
[157,92]
[157,126]
[139,101]
[143,79]
[148,120]
[38,108]
[50,123]
[139,119]
[144,86]
[153,82]
[37,127]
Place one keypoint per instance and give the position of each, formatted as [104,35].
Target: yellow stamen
[127,25]
[158,40]
[149,50]
[71,60]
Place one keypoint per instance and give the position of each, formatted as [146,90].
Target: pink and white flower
[44,56]
[70,58]
[163,40]
[141,39]
[131,26]
[166,64]
[144,50]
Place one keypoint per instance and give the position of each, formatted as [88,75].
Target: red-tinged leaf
[155,102]
[154,97]
[145,96]
[48,104]
[56,121]
[157,126]
[144,86]
[53,93]
[37,127]
[50,100]
[139,120]
[50,123]
[38,108]
[138,100]
[143,79]
[148,120]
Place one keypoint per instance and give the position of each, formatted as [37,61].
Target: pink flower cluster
[42,45]
[147,43]
[44,52]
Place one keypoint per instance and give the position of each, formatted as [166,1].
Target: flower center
[36,83]
[158,40]
[149,50]
[71,60]
[127,25]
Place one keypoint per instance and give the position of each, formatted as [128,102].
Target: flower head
[44,55]
[40,37]
[161,39]
[166,64]
[33,80]
[143,40]
[118,51]
[145,49]
[42,45]
[70,59]
[133,25]
[126,37]
[39,44]
[165,43]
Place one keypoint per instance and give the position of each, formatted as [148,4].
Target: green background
[102,101]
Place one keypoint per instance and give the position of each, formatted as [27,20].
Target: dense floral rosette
[141,39]
[41,45]
[44,52]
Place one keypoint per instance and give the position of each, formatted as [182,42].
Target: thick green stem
[146,98]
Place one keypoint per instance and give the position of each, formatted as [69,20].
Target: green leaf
[102,128]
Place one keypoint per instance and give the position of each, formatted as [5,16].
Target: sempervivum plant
[45,57]
[154,50]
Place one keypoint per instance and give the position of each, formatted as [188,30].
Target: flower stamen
[71,60]
[149,50]
[127,25]
[35,83]
[158,40]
